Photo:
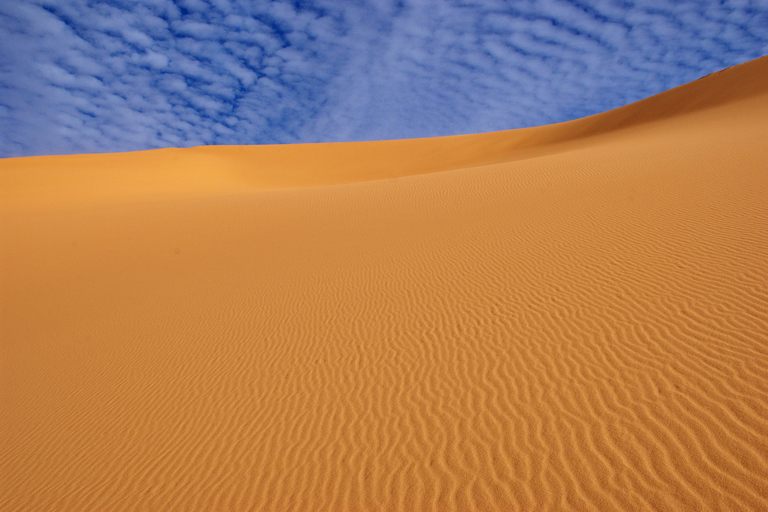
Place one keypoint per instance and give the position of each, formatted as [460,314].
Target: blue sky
[82,76]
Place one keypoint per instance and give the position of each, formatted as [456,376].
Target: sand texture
[570,317]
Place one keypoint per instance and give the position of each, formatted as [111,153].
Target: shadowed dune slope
[570,317]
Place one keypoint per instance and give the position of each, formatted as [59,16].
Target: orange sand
[570,317]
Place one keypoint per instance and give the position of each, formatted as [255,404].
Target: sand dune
[570,317]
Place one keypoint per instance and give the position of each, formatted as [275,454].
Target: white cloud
[155,60]
[197,29]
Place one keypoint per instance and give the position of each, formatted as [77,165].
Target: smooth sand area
[569,317]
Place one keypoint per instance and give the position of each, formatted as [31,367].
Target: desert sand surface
[568,317]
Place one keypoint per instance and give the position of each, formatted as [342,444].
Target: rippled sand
[570,317]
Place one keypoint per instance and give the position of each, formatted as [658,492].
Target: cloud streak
[82,77]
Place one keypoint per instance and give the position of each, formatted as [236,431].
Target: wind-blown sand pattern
[570,317]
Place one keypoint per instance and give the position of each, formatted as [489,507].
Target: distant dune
[568,317]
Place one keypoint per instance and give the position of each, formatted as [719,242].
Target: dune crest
[226,169]
[570,317]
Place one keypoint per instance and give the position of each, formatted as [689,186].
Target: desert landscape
[567,317]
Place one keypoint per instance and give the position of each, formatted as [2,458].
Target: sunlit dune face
[570,317]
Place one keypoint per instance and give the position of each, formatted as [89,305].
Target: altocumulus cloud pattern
[85,76]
